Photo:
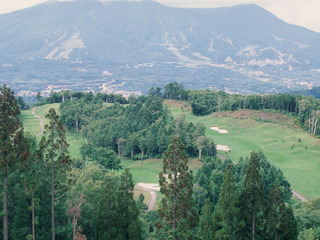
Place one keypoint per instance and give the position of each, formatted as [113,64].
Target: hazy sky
[301,12]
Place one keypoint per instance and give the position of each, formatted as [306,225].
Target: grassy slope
[301,166]
[32,125]
[145,172]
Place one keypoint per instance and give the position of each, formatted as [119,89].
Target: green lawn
[280,144]
[300,162]
[32,124]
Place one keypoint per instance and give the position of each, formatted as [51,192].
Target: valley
[298,159]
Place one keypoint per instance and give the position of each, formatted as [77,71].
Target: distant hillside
[131,46]
[315,91]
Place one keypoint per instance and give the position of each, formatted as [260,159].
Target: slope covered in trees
[95,198]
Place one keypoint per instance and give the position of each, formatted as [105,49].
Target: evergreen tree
[206,224]
[131,226]
[31,181]
[252,200]
[275,212]
[289,229]
[13,146]
[118,214]
[53,150]
[226,217]
[177,211]
[108,218]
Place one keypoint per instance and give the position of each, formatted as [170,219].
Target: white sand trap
[153,186]
[223,131]
[222,147]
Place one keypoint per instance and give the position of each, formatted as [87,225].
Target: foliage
[226,217]
[13,146]
[54,154]
[118,214]
[307,216]
[252,200]
[143,127]
[177,213]
[107,159]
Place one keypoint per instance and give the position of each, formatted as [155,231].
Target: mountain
[132,46]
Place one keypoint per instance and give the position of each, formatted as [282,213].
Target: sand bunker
[223,131]
[222,147]
[153,186]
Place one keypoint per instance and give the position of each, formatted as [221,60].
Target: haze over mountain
[133,46]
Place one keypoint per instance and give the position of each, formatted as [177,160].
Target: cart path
[41,121]
[153,197]
[299,196]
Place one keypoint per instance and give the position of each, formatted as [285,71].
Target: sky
[300,12]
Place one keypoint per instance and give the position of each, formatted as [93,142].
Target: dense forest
[48,195]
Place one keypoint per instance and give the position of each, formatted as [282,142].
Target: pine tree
[177,211]
[279,222]
[118,214]
[289,228]
[107,220]
[226,217]
[252,199]
[275,212]
[13,147]
[128,210]
[206,224]
[53,150]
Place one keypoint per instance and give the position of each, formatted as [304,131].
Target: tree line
[139,129]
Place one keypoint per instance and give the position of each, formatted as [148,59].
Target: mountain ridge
[134,45]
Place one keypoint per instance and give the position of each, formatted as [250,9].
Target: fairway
[298,159]
[32,125]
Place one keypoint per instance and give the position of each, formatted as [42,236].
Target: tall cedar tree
[206,224]
[128,210]
[53,149]
[13,146]
[31,181]
[226,217]
[108,219]
[252,200]
[118,215]
[177,212]
[280,223]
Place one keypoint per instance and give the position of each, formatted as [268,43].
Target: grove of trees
[48,195]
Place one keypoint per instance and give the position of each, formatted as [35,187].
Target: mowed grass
[148,170]
[32,125]
[299,160]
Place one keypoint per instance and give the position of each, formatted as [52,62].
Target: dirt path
[153,197]
[41,121]
[299,196]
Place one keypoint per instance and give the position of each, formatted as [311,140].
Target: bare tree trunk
[141,156]
[77,125]
[315,127]
[200,154]
[74,223]
[5,204]
[131,153]
[52,197]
